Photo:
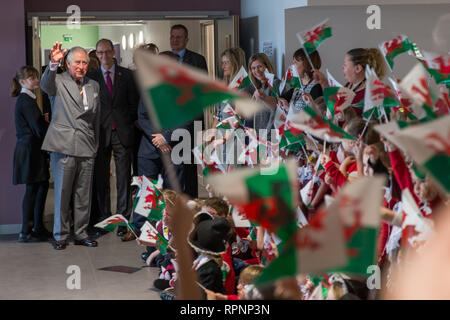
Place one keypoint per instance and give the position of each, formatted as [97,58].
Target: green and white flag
[111,223]
[239,218]
[150,202]
[437,66]
[337,99]
[360,216]
[416,228]
[265,195]
[151,237]
[311,39]
[416,87]
[175,93]
[290,78]
[332,82]
[313,249]
[377,96]
[206,156]
[229,123]
[427,144]
[392,48]
[269,78]
[241,80]
[310,121]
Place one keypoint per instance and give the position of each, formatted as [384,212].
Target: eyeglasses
[104,52]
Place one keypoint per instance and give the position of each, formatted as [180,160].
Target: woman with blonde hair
[263,91]
[30,162]
[354,69]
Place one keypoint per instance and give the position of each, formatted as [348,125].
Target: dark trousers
[33,206]
[122,160]
[151,168]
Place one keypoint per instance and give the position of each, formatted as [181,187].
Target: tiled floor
[37,271]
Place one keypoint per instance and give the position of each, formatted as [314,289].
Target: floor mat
[123,269]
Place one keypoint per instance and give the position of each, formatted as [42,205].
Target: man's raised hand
[56,54]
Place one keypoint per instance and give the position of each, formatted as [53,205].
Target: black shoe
[100,232]
[60,245]
[144,255]
[30,237]
[87,242]
[121,231]
[161,284]
[42,234]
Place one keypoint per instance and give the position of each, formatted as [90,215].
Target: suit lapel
[187,57]
[89,94]
[72,89]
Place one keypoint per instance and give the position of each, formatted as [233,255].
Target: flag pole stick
[367,123]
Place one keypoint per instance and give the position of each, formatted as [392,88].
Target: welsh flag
[332,82]
[267,198]
[377,96]
[360,216]
[405,104]
[290,136]
[314,249]
[337,99]
[310,121]
[229,123]
[258,151]
[438,66]
[114,221]
[176,94]
[151,237]
[415,227]
[206,156]
[150,201]
[287,135]
[392,48]
[290,78]
[229,110]
[312,38]
[239,218]
[269,78]
[416,87]
[241,80]
[427,144]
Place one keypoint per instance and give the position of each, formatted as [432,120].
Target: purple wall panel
[234,6]
[12,57]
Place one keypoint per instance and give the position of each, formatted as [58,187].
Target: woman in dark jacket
[30,162]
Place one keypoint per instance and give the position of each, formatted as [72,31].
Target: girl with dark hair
[310,90]
[30,162]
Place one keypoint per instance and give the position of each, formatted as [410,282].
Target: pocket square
[95,95]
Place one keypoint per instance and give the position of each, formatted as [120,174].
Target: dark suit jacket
[30,162]
[147,149]
[122,107]
[194,59]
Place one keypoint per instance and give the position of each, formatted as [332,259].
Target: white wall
[271,15]
[157,31]
[271,24]
[115,33]
[350,31]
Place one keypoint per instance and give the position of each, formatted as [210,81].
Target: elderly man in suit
[119,99]
[72,140]
[178,42]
